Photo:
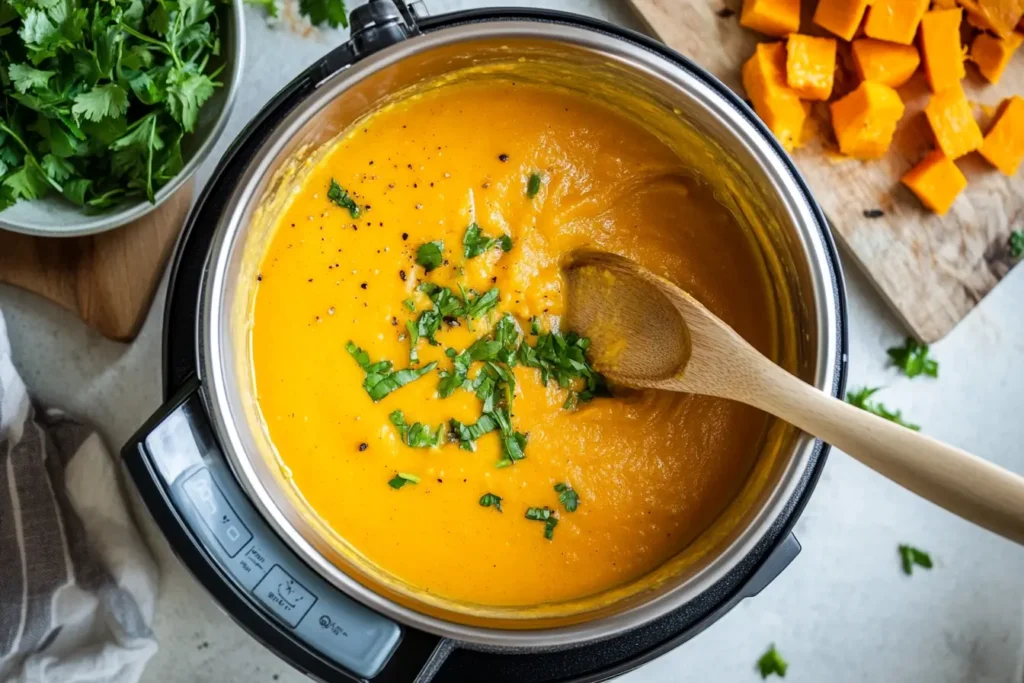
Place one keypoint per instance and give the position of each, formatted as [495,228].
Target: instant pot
[207,472]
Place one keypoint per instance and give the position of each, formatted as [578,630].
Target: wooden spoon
[646,332]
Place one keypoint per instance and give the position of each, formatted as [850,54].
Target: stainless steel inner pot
[721,144]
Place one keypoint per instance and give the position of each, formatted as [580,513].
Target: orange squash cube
[865,120]
[883,62]
[778,105]
[952,121]
[936,181]
[810,66]
[940,48]
[1004,145]
[773,17]
[841,17]
[991,55]
[998,16]
[895,20]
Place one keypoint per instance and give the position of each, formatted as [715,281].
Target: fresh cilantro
[490,500]
[269,6]
[911,556]
[331,12]
[456,377]
[466,435]
[569,499]
[533,185]
[546,515]
[381,379]
[476,306]
[430,255]
[447,305]
[98,98]
[771,662]
[401,479]
[1016,243]
[410,304]
[414,339]
[416,435]
[859,399]
[474,242]
[563,359]
[340,196]
[534,326]
[912,358]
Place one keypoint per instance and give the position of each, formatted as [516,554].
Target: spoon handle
[960,482]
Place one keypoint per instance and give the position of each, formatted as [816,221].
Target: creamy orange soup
[651,470]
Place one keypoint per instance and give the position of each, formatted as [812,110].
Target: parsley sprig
[859,398]
[98,98]
[771,662]
[911,557]
[912,359]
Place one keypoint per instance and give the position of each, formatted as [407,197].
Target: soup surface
[553,171]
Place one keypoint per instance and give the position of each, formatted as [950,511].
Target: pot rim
[213,347]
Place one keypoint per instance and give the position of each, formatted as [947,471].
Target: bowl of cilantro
[107,107]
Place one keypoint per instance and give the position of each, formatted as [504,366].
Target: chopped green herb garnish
[340,196]
[475,242]
[416,435]
[859,399]
[490,500]
[467,435]
[402,478]
[912,358]
[410,304]
[563,358]
[771,662]
[448,305]
[533,185]
[534,326]
[456,377]
[569,499]
[430,255]
[911,556]
[381,379]
[546,515]
[480,304]
[1016,243]
[414,338]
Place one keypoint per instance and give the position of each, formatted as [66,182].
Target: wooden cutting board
[933,270]
[107,279]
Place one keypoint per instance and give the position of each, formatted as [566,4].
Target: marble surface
[842,612]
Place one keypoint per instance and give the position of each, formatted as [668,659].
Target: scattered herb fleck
[911,556]
[402,478]
[859,399]
[568,497]
[1016,243]
[429,255]
[912,359]
[381,380]
[771,662]
[416,435]
[339,195]
[533,185]
[490,500]
[474,242]
[546,515]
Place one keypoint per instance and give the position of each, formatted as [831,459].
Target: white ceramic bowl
[54,216]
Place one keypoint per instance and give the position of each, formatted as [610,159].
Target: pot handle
[189,489]
[778,560]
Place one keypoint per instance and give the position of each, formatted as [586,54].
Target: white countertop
[842,612]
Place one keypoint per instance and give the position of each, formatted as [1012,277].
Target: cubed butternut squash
[1004,145]
[936,181]
[865,120]
[810,66]
[884,62]
[778,105]
[773,17]
[895,20]
[998,16]
[952,121]
[991,54]
[841,17]
[940,48]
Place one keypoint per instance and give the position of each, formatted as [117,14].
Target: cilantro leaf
[563,358]
[269,6]
[25,77]
[430,255]
[911,556]
[474,242]
[403,478]
[187,91]
[859,399]
[456,377]
[340,196]
[912,359]
[533,185]
[331,12]
[1016,243]
[546,515]
[569,499]
[416,435]
[381,379]
[490,500]
[467,435]
[103,101]
[771,662]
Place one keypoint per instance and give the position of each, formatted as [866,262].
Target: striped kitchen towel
[77,583]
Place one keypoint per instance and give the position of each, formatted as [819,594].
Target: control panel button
[216,512]
[284,596]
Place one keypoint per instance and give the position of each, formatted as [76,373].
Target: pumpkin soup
[412,373]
